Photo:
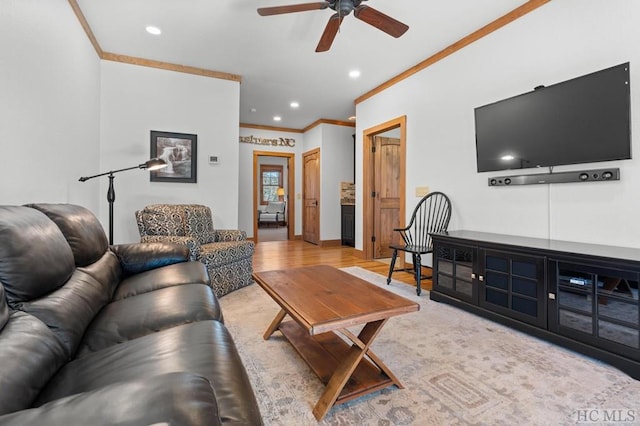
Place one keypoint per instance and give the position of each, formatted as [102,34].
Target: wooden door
[311,196]
[386,203]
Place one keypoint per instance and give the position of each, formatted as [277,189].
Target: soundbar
[561,177]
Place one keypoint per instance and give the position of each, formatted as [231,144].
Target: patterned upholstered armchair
[227,253]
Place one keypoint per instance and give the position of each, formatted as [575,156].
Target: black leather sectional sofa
[94,334]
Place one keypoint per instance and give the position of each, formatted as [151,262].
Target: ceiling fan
[342,7]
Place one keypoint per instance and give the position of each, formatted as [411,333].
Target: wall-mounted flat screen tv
[583,120]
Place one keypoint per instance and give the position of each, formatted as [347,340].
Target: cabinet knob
[473,276]
[481,278]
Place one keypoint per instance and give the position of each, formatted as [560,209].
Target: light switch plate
[421,191]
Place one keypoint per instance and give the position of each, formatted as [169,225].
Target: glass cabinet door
[599,306]
[454,271]
[514,285]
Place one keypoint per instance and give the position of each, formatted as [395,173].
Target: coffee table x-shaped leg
[343,368]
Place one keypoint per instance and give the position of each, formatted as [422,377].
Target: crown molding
[271,128]
[108,56]
[85,26]
[516,13]
[327,121]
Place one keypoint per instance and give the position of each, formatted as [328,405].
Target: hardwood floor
[290,254]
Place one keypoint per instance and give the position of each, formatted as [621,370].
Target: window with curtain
[270,181]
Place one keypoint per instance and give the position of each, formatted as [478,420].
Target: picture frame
[180,152]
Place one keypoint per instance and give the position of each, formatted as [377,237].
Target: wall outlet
[214,159]
[421,191]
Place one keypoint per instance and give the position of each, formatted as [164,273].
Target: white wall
[246,214]
[49,104]
[336,166]
[136,100]
[559,41]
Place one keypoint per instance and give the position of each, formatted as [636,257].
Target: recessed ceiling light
[507,157]
[294,104]
[354,74]
[253,110]
[153,30]
[277,118]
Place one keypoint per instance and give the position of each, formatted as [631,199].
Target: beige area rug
[457,369]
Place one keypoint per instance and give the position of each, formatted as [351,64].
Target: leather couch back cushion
[200,223]
[81,228]
[35,258]
[107,271]
[29,355]
[4,309]
[69,310]
[163,220]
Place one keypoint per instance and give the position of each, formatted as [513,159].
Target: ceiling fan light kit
[342,8]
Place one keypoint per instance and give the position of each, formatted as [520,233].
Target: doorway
[384,186]
[286,197]
[311,196]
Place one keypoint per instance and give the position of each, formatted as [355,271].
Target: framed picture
[180,152]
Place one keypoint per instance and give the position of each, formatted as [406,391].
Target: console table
[582,296]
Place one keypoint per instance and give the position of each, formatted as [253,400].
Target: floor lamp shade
[150,165]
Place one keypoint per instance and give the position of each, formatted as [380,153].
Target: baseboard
[330,243]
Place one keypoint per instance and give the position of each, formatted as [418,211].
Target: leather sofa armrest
[173,398]
[190,242]
[140,257]
[229,235]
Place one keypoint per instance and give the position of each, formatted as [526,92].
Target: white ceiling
[275,55]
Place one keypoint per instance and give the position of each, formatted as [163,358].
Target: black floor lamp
[153,164]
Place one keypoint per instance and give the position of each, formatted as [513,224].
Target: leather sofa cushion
[149,313]
[36,258]
[168,276]
[69,310]
[136,258]
[107,271]
[29,356]
[4,309]
[204,348]
[81,228]
[176,398]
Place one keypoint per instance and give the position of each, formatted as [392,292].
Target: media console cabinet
[582,296]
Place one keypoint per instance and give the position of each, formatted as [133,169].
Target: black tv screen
[583,120]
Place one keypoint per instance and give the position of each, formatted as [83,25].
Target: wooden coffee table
[322,300]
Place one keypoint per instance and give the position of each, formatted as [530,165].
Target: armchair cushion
[199,223]
[225,252]
[191,243]
[275,207]
[229,235]
[158,219]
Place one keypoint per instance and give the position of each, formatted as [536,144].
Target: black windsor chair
[431,215]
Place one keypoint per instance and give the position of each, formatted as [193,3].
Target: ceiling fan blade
[329,33]
[381,21]
[278,10]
